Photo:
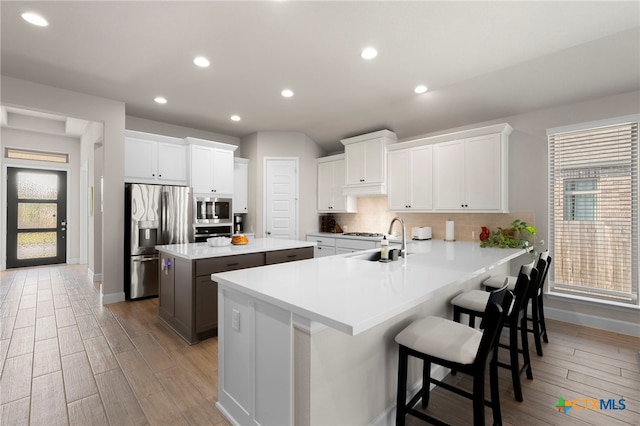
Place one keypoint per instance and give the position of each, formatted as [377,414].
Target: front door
[36,217]
[281,198]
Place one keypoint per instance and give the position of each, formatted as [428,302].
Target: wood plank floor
[66,360]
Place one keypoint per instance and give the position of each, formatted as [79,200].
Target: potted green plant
[518,235]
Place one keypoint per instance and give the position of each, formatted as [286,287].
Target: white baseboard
[73,261]
[226,414]
[602,323]
[388,418]
[92,276]
[106,299]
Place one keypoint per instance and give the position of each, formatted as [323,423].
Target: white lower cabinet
[326,246]
[347,245]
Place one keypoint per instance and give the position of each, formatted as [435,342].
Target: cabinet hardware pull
[292,255]
[233,264]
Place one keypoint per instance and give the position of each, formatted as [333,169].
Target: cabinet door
[183,297]
[421,178]
[201,170]
[374,161]
[167,287]
[140,159]
[325,186]
[172,162]
[398,180]
[240,187]
[354,163]
[222,172]
[340,202]
[483,185]
[206,304]
[448,175]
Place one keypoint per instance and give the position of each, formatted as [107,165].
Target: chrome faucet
[403,247]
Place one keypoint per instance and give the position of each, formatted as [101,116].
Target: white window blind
[593,218]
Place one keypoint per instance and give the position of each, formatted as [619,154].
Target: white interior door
[281,198]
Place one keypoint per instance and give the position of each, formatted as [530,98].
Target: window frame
[598,296]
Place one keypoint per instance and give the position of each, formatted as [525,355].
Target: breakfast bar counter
[312,342]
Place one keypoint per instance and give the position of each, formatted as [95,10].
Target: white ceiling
[481,60]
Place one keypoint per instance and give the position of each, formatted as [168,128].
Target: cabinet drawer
[322,241]
[355,244]
[281,256]
[228,263]
[322,251]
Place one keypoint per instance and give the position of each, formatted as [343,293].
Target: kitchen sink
[369,256]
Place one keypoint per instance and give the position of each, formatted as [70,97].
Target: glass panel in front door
[36,217]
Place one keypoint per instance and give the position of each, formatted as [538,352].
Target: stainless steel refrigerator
[154,215]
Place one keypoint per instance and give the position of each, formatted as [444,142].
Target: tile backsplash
[373,216]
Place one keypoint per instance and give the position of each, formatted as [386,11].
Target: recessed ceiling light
[420,89]
[287,93]
[160,100]
[35,19]
[201,61]
[369,53]
[235,118]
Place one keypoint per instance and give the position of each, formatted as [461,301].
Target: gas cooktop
[363,234]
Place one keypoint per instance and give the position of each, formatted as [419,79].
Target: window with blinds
[593,218]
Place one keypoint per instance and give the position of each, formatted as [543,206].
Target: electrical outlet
[235,319]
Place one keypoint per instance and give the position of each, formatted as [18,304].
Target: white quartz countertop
[195,251]
[354,295]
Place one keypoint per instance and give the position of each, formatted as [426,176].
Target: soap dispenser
[384,248]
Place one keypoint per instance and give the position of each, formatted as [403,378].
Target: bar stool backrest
[498,305]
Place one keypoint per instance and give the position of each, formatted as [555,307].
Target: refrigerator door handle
[164,203]
[145,259]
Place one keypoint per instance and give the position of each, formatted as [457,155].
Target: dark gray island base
[188,298]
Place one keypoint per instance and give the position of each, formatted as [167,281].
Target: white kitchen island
[312,342]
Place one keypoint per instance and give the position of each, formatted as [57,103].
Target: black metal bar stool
[458,347]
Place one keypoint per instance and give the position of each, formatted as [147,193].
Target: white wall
[38,97]
[35,141]
[90,142]
[282,144]
[166,129]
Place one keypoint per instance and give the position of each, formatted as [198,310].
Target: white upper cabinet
[240,185]
[155,159]
[210,167]
[410,179]
[331,180]
[366,163]
[471,174]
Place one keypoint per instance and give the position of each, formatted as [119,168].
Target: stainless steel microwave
[212,210]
